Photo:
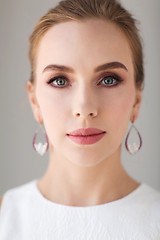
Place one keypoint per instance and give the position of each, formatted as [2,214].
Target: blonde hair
[80,10]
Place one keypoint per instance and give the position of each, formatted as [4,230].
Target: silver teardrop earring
[38,146]
[133,147]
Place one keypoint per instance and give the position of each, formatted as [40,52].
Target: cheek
[53,109]
[120,111]
[121,107]
[52,105]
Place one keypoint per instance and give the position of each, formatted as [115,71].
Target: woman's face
[108,93]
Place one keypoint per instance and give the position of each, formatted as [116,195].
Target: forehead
[84,44]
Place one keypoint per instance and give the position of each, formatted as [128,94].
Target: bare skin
[85,175]
[85,187]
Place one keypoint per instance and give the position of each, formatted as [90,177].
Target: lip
[86,132]
[86,136]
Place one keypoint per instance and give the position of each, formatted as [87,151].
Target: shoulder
[14,196]
[0,201]
[149,201]
[149,194]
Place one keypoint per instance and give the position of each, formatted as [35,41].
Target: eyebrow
[110,65]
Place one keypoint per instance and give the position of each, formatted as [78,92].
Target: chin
[86,162]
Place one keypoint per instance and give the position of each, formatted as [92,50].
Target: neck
[69,184]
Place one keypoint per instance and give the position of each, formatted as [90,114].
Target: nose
[80,114]
[85,105]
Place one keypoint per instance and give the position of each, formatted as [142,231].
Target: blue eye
[109,81]
[60,81]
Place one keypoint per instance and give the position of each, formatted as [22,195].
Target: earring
[133,148]
[39,147]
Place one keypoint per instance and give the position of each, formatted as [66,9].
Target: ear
[33,102]
[136,106]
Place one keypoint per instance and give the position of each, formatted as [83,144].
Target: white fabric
[26,215]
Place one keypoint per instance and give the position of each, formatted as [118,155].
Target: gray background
[18,161]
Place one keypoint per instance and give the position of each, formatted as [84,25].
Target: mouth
[84,135]
[86,139]
[86,132]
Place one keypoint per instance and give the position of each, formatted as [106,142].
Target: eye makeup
[108,78]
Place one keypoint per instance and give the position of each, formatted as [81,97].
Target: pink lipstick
[86,136]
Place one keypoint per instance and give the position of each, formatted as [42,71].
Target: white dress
[26,215]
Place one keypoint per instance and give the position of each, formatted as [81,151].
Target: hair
[81,10]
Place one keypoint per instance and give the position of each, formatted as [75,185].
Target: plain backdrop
[19,163]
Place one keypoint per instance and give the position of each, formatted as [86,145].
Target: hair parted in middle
[81,10]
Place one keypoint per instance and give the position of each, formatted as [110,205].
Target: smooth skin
[85,175]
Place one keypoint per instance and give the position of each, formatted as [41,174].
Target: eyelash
[111,76]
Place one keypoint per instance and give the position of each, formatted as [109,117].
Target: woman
[85,87]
